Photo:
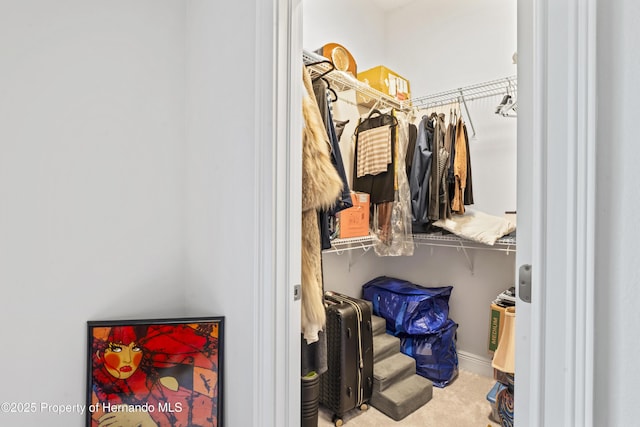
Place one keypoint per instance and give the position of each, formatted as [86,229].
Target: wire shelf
[373,98]
[342,81]
[504,244]
[503,86]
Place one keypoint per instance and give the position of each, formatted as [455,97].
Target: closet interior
[457,62]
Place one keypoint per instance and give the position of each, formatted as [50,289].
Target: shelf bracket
[350,259]
[466,255]
[464,102]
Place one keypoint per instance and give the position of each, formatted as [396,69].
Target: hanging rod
[503,86]
[345,81]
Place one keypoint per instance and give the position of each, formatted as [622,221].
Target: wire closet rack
[506,244]
[503,86]
[319,65]
[345,81]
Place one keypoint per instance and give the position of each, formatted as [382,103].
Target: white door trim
[560,120]
[557,87]
[278,148]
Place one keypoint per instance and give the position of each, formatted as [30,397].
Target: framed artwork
[155,373]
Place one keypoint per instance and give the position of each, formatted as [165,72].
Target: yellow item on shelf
[387,81]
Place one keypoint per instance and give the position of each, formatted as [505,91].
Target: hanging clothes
[380,187]
[420,176]
[436,169]
[411,146]
[374,151]
[380,129]
[327,216]
[321,186]
[450,145]
[460,167]
[468,188]
[439,201]
[397,238]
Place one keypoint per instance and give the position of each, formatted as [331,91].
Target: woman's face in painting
[121,360]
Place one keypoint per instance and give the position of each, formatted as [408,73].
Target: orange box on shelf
[386,81]
[354,222]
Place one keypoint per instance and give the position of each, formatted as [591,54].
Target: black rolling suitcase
[348,381]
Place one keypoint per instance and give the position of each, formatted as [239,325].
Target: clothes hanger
[330,89]
[453,118]
[506,100]
[371,115]
[510,110]
[372,112]
[376,111]
[324,61]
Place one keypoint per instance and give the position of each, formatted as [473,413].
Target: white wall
[358,25]
[221,180]
[444,46]
[91,184]
[618,199]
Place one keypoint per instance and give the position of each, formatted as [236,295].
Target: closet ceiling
[391,4]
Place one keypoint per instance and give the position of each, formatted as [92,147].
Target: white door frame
[556,146]
[278,148]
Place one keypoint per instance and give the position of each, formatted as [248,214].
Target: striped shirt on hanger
[374,151]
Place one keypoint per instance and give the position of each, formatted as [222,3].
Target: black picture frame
[155,372]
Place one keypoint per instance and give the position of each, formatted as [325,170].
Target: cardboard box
[354,222]
[496,326]
[386,81]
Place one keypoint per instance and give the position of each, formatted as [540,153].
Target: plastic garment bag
[398,241]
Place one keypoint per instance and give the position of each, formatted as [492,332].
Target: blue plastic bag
[435,354]
[408,308]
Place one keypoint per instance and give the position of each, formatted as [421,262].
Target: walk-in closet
[458,60]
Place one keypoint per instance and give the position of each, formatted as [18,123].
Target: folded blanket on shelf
[477,226]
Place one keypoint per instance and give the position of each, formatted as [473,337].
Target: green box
[495,326]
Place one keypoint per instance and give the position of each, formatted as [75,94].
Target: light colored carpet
[463,403]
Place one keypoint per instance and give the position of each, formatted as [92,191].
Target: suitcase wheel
[337,421]
[364,407]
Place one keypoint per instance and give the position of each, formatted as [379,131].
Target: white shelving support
[340,80]
[505,244]
[339,246]
[461,95]
[503,86]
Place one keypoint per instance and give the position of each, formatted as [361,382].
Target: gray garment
[437,169]
[314,355]
[420,176]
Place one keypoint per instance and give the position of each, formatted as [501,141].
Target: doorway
[559,246]
[478,274]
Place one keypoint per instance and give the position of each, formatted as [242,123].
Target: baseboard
[473,363]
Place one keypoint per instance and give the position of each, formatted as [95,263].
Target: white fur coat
[321,187]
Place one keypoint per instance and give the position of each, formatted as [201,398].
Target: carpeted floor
[463,403]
